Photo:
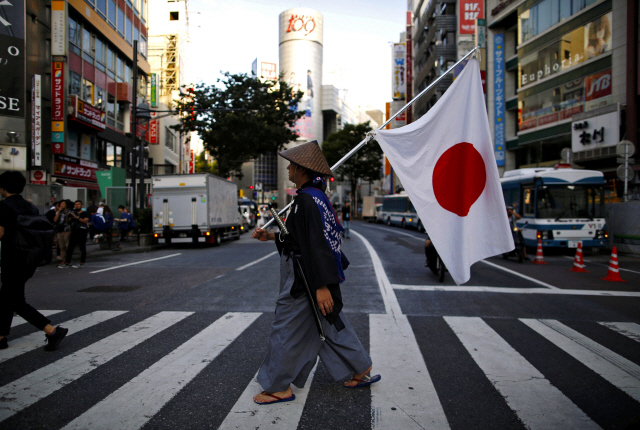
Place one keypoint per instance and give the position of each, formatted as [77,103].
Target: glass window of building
[86,147]
[128,31]
[579,45]
[74,36]
[87,91]
[119,67]
[75,84]
[101,6]
[111,63]
[111,109]
[119,158]
[120,24]
[112,13]
[127,73]
[111,154]
[72,143]
[546,14]
[136,36]
[120,117]
[100,54]
[143,9]
[87,45]
[99,98]
[142,48]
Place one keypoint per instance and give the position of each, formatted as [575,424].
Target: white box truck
[195,208]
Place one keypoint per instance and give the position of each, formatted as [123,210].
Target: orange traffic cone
[578,262]
[539,257]
[613,274]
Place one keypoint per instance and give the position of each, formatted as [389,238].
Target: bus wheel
[389,221]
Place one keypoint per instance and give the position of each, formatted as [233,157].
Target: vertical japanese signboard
[470,11]
[498,94]
[409,65]
[36,120]
[154,90]
[397,73]
[59,43]
[192,162]
[57,107]
[12,68]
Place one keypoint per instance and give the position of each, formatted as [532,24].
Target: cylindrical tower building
[301,64]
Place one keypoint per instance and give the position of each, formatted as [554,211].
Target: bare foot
[352,382]
[264,398]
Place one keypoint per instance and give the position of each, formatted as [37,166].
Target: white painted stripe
[535,401]
[19,320]
[397,357]
[37,385]
[616,369]
[513,272]
[246,414]
[133,404]
[257,261]
[631,330]
[604,265]
[560,292]
[33,341]
[391,305]
[137,262]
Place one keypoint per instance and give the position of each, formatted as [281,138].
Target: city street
[173,338]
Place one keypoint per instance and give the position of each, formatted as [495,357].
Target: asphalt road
[173,338]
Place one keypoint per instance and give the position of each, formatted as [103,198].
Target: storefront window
[572,49]
[111,110]
[72,144]
[561,103]
[546,14]
[75,84]
[87,91]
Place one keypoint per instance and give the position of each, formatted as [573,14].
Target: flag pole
[475,50]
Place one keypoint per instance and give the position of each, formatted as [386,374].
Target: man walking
[79,221]
[15,271]
[315,241]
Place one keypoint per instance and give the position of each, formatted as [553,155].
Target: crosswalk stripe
[31,388]
[616,369]
[19,320]
[405,397]
[246,414]
[528,393]
[35,340]
[133,404]
[631,330]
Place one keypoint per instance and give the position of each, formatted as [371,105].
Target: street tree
[365,164]
[240,118]
[205,166]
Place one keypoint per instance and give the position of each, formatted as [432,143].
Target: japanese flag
[446,164]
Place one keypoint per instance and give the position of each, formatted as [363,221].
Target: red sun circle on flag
[459,178]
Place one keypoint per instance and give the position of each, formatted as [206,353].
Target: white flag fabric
[446,164]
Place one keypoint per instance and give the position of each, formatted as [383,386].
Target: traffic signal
[332,179]
[273,198]
[251,187]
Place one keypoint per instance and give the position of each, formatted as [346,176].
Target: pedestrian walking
[16,269]
[62,229]
[78,220]
[314,242]
[346,219]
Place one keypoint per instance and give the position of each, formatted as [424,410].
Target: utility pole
[134,125]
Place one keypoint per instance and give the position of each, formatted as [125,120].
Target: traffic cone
[613,274]
[539,257]
[578,262]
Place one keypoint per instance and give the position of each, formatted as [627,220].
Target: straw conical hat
[308,155]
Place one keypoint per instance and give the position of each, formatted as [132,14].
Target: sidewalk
[128,247]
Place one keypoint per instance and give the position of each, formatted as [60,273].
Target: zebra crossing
[410,395]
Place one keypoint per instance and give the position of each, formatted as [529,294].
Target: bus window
[528,204]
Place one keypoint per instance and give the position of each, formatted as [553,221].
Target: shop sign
[36,121]
[498,96]
[597,90]
[59,43]
[582,44]
[481,33]
[152,134]
[57,91]
[57,143]
[547,119]
[397,71]
[65,166]
[269,71]
[192,162]
[86,113]
[12,67]
[300,24]
[154,90]
[39,177]
[470,11]
[596,132]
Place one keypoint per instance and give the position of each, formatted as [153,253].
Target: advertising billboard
[12,67]
[498,97]
[398,71]
[36,120]
[470,11]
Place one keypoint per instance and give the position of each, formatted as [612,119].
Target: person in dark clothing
[15,272]
[108,219]
[315,240]
[79,221]
[123,224]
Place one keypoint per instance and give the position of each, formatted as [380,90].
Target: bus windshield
[570,201]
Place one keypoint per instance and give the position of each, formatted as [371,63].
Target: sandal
[366,380]
[278,399]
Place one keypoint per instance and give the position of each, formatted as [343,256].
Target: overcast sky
[228,35]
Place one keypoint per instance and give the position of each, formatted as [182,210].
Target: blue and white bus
[398,210]
[561,206]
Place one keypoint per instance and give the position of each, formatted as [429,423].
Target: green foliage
[202,166]
[233,137]
[144,220]
[365,164]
